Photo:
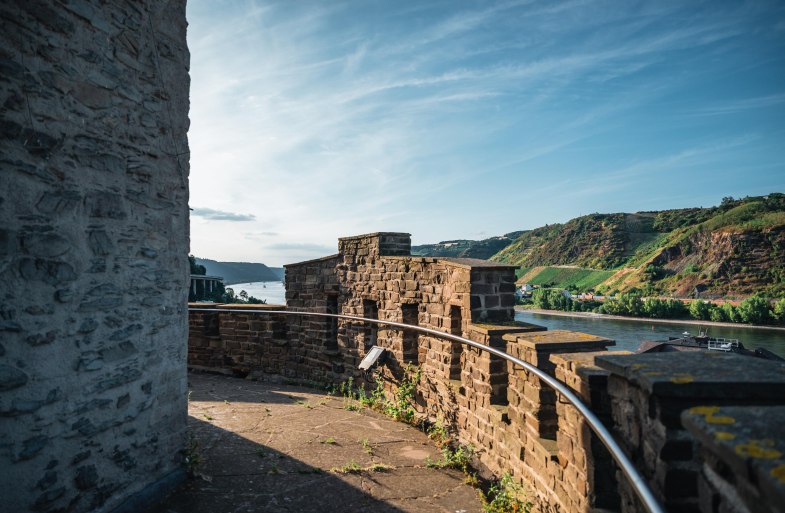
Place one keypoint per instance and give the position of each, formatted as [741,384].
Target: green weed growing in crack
[402,407]
[329,441]
[379,467]
[438,433]
[354,468]
[367,446]
[505,496]
[193,460]
[457,458]
[346,389]
[350,468]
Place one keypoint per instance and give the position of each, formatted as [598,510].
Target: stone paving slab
[269,447]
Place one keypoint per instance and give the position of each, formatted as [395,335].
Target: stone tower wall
[93,252]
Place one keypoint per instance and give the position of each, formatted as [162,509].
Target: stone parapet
[742,451]
[516,423]
[530,400]
[649,393]
[376,244]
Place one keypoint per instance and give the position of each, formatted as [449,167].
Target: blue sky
[312,120]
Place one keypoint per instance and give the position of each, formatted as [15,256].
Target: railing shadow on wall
[273,330]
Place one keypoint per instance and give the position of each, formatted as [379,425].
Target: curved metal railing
[643,491]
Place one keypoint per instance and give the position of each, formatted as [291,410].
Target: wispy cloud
[734,106]
[220,215]
[321,120]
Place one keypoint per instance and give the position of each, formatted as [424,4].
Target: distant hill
[241,272]
[466,248]
[734,249]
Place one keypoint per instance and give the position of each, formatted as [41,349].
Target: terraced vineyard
[735,249]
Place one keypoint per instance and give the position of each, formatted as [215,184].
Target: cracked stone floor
[268,447]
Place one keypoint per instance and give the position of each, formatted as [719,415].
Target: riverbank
[592,315]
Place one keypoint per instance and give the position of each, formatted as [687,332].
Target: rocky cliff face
[726,262]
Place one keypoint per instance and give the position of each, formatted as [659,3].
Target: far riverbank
[593,315]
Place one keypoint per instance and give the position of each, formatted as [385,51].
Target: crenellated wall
[93,253]
[516,423]
[510,417]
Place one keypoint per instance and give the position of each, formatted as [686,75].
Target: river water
[629,333]
[273,291]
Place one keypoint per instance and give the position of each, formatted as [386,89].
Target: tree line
[753,310]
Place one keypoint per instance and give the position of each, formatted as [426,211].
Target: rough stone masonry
[93,252]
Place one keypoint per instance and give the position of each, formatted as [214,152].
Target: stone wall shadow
[237,474]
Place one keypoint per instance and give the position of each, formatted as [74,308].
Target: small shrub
[438,433]
[505,497]
[457,458]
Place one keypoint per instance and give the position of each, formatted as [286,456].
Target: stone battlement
[515,423]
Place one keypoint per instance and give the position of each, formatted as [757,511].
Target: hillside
[466,248]
[734,249]
[241,272]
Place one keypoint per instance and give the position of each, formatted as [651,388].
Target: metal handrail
[636,480]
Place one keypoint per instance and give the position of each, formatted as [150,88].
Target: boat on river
[703,342]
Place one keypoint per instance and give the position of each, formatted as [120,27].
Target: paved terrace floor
[268,447]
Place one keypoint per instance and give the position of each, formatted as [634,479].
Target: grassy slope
[567,277]
[735,248]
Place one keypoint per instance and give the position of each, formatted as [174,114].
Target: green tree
[717,315]
[653,272]
[755,310]
[778,311]
[631,303]
[551,299]
[196,268]
[730,312]
[700,309]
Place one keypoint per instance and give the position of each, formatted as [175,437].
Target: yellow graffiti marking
[652,373]
[760,449]
[778,473]
[682,378]
[724,435]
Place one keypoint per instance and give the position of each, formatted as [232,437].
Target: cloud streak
[220,215]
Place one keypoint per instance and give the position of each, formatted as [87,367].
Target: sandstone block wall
[651,392]
[93,251]
[508,416]
[516,423]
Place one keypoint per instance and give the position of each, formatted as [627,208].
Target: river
[272,291]
[628,333]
